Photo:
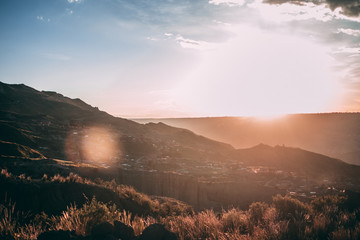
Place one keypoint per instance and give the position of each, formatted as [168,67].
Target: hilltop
[333,134]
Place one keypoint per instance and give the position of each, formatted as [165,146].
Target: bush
[291,209]
[286,218]
[235,220]
[257,212]
[204,225]
[82,220]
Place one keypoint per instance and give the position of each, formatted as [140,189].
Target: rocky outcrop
[104,230]
[157,232]
[123,231]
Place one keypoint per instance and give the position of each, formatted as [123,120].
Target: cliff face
[200,195]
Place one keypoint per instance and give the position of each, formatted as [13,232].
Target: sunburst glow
[262,74]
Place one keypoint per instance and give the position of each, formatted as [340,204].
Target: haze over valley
[333,134]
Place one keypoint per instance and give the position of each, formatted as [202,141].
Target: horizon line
[233,116]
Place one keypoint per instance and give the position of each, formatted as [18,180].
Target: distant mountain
[43,132]
[296,160]
[332,134]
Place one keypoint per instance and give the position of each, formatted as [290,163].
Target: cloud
[290,12]
[152,39]
[352,50]
[350,8]
[74,1]
[349,31]
[228,2]
[69,11]
[193,44]
[43,19]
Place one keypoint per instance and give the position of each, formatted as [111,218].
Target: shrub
[204,225]
[235,220]
[291,209]
[257,212]
[82,220]
[296,214]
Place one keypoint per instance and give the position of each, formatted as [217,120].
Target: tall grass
[284,218]
[8,222]
[260,221]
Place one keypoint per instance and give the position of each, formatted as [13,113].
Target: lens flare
[98,145]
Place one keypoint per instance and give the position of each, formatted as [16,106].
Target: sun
[262,74]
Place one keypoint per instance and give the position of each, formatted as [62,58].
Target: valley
[158,159]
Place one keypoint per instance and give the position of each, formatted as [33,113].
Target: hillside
[134,216]
[44,121]
[42,130]
[333,134]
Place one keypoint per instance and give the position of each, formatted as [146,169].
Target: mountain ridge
[333,134]
[157,158]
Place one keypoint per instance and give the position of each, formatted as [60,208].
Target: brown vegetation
[285,218]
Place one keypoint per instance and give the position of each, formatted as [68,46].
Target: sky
[187,58]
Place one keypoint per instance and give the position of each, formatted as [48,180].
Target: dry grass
[284,218]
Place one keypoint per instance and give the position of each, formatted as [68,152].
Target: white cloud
[152,39]
[349,31]
[305,11]
[228,2]
[43,19]
[290,12]
[222,23]
[74,1]
[69,11]
[194,44]
[347,50]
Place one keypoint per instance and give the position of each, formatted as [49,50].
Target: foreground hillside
[137,216]
[332,134]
